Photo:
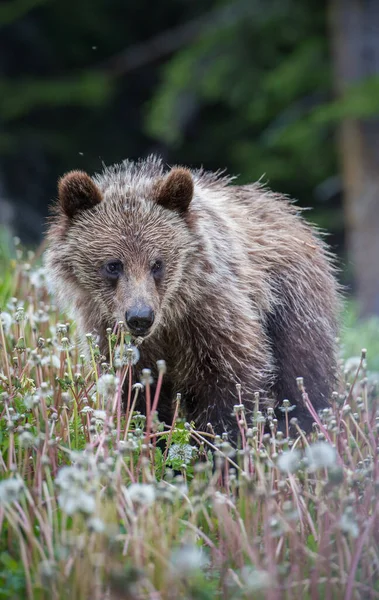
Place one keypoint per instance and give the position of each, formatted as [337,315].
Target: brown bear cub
[227,284]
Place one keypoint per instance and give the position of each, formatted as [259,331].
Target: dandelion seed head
[146,378]
[130,355]
[255,579]
[31,400]
[161,365]
[6,321]
[41,316]
[47,571]
[70,476]
[352,364]
[11,490]
[51,361]
[319,455]
[100,415]
[107,385]
[19,314]
[188,559]
[349,525]
[26,440]
[140,493]
[38,277]
[289,462]
[76,501]
[182,452]
[96,525]
[128,446]
[220,498]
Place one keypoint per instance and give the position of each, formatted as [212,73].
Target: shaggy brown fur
[246,295]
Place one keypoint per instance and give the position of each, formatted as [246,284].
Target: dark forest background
[284,90]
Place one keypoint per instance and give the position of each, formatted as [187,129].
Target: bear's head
[119,249]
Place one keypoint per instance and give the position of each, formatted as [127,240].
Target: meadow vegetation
[100,502]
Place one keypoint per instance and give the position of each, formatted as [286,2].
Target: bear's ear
[175,192]
[77,192]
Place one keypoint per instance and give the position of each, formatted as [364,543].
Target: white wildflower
[130,353]
[38,277]
[187,559]
[220,498]
[178,488]
[92,398]
[61,329]
[41,316]
[19,314]
[75,501]
[26,439]
[289,462]
[352,364]
[140,493]
[45,390]
[96,525]
[349,525]
[10,490]
[6,321]
[128,446]
[100,415]
[51,361]
[255,579]
[69,477]
[47,571]
[107,384]
[182,452]
[319,455]
[146,378]
[74,497]
[31,400]
[84,459]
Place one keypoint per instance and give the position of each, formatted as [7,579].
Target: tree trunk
[355,45]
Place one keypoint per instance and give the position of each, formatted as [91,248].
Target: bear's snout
[139,319]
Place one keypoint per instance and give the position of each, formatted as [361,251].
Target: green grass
[93,505]
[7,279]
[355,332]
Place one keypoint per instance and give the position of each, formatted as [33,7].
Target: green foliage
[10,11]
[12,577]
[261,76]
[19,98]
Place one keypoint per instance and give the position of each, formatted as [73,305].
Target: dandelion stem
[5,354]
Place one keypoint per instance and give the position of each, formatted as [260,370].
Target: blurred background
[283,90]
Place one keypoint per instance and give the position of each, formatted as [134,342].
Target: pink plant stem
[370,421]
[157,392]
[10,451]
[242,432]
[349,396]
[129,391]
[100,445]
[316,418]
[148,412]
[119,403]
[296,497]
[357,555]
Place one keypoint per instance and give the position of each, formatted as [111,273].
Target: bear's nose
[139,319]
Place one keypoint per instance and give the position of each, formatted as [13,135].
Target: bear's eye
[157,268]
[113,269]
